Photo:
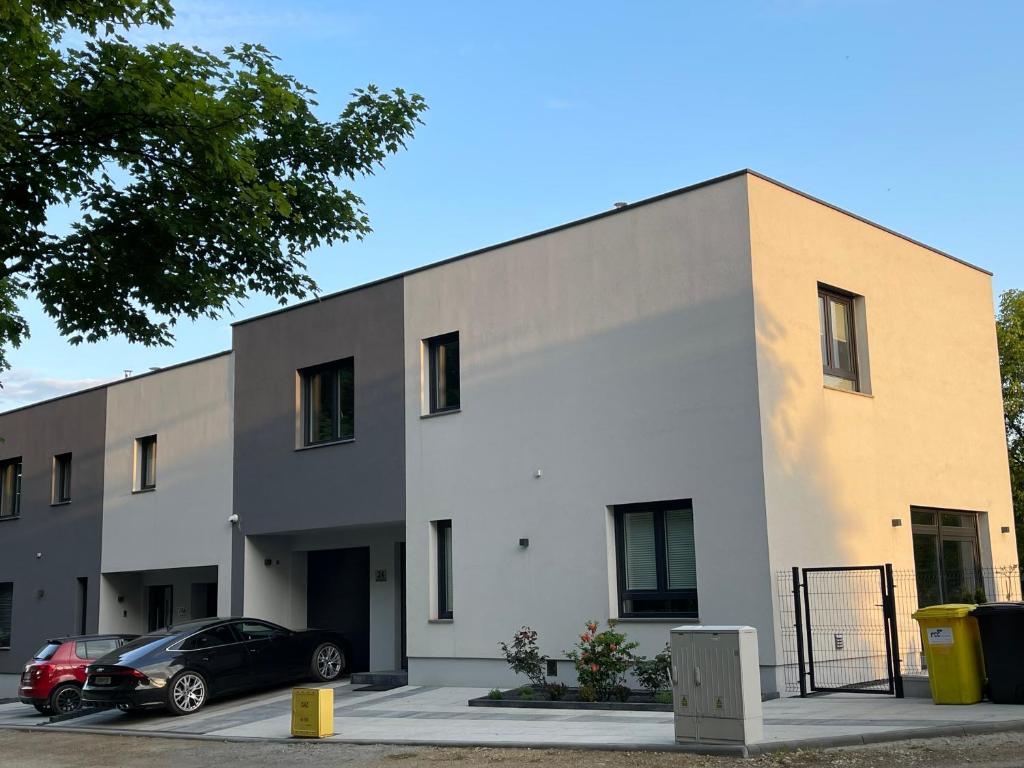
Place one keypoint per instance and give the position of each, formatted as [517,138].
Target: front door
[161,606]
[947,563]
[338,597]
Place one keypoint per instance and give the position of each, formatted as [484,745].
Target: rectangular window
[6,612]
[443,369]
[838,347]
[10,488]
[61,490]
[145,463]
[947,562]
[656,559]
[328,402]
[443,535]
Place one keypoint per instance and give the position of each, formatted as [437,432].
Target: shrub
[601,659]
[663,697]
[526,692]
[494,694]
[524,657]
[556,691]
[620,693]
[654,675]
[588,693]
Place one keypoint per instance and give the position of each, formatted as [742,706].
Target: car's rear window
[94,649]
[46,652]
[140,646]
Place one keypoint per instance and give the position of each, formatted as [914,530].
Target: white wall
[278,592]
[183,522]
[617,357]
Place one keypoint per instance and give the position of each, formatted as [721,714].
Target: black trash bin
[1002,640]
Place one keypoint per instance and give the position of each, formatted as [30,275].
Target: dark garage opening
[338,597]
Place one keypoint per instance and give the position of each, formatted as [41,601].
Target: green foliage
[663,697]
[556,691]
[654,675]
[195,178]
[1010,336]
[588,693]
[494,693]
[524,656]
[601,659]
[526,692]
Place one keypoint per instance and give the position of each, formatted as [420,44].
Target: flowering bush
[601,659]
[524,657]
[654,674]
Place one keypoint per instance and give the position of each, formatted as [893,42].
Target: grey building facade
[50,538]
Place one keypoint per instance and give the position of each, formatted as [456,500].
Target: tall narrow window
[656,559]
[443,362]
[61,491]
[6,612]
[328,402]
[145,463]
[443,535]
[10,488]
[838,347]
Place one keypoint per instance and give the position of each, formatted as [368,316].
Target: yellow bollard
[312,712]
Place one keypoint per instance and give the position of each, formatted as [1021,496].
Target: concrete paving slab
[413,715]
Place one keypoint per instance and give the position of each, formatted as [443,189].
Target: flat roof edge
[115,382]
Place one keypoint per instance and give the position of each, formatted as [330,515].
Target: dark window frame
[9,630]
[306,401]
[442,534]
[828,366]
[943,533]
[435,372]
[662,593]
[145,462]
[61,481]
[15,503]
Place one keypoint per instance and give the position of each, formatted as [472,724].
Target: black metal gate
[846,634]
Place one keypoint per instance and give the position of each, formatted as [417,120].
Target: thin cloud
[26,386]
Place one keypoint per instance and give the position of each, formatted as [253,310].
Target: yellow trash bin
[952,647]
[313,712]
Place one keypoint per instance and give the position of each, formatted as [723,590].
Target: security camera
[232,519]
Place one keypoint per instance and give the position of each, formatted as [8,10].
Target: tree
[1010,336]
[194,179]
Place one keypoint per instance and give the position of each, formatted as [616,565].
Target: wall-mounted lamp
[38,555]
[524,543]
[268,562]
[538,473]
[897,522]
[120,598]
[1005,529]
[40,593]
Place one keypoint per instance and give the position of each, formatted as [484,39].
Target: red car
[52,680]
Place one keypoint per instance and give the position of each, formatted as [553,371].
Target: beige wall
[840,466]
[184,521]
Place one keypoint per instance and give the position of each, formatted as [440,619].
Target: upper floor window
[328,402]
[443,370]
[10,487]
[838,345]
[61,484]
[657,568]
[145,463]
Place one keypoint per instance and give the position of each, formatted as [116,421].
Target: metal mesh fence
[843,622]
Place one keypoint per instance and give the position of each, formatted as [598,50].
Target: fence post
[799,622]
[894,633]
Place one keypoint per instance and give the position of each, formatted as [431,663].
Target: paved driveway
[430,715]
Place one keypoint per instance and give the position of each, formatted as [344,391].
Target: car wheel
[43,709]
[65,699]
[186,693]
[328,662]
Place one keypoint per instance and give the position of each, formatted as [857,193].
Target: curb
[751,750]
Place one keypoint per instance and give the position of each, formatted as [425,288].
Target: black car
[183,666]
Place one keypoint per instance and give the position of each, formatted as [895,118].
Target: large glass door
[946,557]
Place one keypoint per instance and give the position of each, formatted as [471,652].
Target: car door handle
[253,650]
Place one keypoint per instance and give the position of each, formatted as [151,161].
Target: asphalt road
[35,749]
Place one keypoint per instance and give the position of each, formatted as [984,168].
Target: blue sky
[908,113]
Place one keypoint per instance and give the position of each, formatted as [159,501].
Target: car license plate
[101,680]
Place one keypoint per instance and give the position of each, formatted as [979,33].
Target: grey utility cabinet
[716,685]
